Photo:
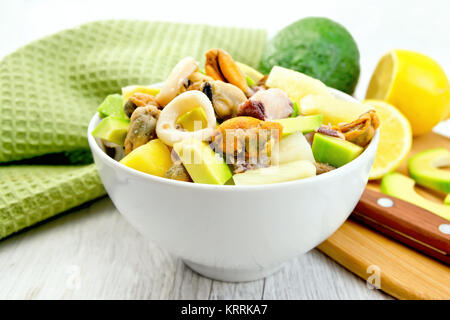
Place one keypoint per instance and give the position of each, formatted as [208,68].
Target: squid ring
[166,127]
[177,78]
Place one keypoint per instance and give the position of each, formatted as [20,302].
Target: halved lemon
[395,139]
[415,84]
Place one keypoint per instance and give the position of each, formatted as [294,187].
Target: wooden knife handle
[404,221]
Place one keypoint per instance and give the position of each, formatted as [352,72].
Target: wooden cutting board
[403,272]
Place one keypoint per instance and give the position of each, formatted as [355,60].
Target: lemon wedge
[395,139]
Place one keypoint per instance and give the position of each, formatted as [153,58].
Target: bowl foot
[232,275]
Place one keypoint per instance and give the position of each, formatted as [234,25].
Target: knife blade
[412,225]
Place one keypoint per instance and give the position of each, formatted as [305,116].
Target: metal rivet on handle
[444,228]
[385,202]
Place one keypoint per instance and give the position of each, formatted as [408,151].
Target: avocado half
[400,186]
[424,169]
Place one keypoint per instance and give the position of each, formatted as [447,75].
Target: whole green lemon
[318,47]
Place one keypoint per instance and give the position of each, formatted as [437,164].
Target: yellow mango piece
[194,119]
[152,158]
[127,92]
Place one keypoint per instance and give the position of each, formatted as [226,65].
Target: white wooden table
[93,253]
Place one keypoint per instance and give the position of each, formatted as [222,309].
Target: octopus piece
[329,131]
[246,139]
[225,97]
[142,127]
[167,129]
[177,81]
[263,162]
[220,66]
[252,108]
[362,130]
[260,85]
[138,100]
[267,105]
[178,172]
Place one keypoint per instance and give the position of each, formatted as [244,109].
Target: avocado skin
[425,174]
[318,47]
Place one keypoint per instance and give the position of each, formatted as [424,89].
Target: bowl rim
[95,148]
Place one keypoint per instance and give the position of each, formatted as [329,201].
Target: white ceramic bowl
[235,233]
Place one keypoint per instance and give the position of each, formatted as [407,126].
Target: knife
[412,225]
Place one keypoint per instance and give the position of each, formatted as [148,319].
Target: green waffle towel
[50,89]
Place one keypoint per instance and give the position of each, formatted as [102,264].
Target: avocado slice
[424,169]
[447,199]
[188,120]
[112,129]
[284,172]
[201,162]
[296,110]
[303,124]
[400,186]
[250,81]
[334,151]
[112,106]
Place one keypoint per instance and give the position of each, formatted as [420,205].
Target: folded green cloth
[50,89]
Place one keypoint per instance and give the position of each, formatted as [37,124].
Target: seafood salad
[230,124]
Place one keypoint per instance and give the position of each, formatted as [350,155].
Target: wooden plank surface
[404,273]
[93,253]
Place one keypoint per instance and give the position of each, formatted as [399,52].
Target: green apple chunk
[334,151]
[284,172]
[112,129]
[112,106]
[294,147]
[202,163]
[424,168]
[402,187]
[302,124]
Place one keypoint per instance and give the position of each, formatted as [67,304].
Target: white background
[377,25]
